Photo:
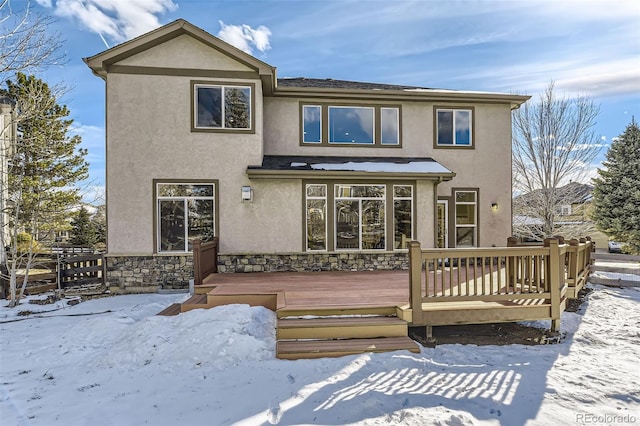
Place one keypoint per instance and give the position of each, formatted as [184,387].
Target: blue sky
[587,47]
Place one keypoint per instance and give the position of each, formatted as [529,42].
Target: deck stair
[333,331]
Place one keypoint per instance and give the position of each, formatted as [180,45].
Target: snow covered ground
[111,361]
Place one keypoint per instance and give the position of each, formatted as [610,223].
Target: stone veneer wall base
[312,262]
[150,274]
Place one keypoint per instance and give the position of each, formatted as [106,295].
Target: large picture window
[350,125]
[218,107]
[454,127]
[185,212]
[466,218]
[360,217]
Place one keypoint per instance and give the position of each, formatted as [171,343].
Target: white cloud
[246,38]
[114,20]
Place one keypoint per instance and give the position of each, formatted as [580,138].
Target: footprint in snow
[274,414]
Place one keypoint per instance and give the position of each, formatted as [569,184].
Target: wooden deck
[326,290]
[338,313]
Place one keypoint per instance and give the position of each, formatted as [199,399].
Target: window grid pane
[351,125]
[316,217]
[389,125]
[312,124]
[237,110]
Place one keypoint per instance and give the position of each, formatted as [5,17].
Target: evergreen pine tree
[616,193]
[83,232]
[45,163]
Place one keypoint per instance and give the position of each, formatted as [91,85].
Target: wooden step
[334,348]
[170,310]
[335,310]
[199,301]
[340,328]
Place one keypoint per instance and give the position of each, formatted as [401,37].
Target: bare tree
[26,42]
[553,145]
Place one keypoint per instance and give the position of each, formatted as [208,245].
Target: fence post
[553,277]
[415,281]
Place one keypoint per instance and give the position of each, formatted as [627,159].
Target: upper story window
[222,107]
[350,125]
[454,127]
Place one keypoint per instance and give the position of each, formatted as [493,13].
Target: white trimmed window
[454,127]
[184,212]
[402,216]
[360,217]
[350,125]
[316,217]
[222,107]
[466,218]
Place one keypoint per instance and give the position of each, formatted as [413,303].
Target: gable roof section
[325,167]
[106,62]
[101,62]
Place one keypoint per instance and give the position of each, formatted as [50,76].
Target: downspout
[435,211]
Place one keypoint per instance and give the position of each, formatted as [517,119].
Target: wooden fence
[476,285]
[77,271]
[61,272]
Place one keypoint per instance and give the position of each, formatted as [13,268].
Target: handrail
[205,259]
[551,271]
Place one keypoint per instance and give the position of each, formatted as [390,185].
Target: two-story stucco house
[291,174]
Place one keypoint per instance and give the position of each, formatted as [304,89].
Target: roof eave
[340,174]
[390,94]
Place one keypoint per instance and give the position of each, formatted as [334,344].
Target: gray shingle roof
[329,83]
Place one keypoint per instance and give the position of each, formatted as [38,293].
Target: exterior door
[443,224]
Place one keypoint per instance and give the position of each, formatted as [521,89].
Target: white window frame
[466,225]
[304,107]
[337,198]
[185,199]
[326,214]
[409,198]
[453,129]
[223,88]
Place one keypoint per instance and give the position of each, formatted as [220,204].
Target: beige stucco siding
[486,167]
[184,52]
[150,137]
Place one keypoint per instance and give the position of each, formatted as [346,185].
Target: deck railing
[524,274]
[205,259]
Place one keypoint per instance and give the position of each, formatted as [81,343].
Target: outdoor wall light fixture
[247,193]
[494,207]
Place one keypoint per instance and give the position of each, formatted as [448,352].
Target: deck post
[553,277]
[197,261]
[415,281]
[574,258]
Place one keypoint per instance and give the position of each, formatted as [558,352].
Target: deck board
[321,289]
